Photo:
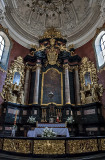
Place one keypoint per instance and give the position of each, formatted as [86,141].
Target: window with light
[100,49]
[103,46]
[1,47]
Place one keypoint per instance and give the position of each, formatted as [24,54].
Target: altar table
[39,131]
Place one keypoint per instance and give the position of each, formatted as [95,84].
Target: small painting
[87,78]
[16,78]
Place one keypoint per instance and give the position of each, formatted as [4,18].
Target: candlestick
[15,117]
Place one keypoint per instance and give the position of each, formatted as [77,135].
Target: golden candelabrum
[13,90]
[90,89]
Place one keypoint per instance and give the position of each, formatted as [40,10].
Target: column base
[67,103]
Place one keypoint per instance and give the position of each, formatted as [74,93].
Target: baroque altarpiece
[50,82]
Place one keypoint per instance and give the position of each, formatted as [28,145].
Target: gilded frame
[14,75]
[89,71]
[43,74]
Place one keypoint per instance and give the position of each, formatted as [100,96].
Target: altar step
[100,156]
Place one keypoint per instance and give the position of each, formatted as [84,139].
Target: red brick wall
[86,50]
[17,50]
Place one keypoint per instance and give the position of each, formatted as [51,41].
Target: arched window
[102,41]
[5,46]
[100,49]
[1,46]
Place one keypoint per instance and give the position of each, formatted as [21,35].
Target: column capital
[71,68]
[28,67]
[33,68]
[76,67]
[66,66]
[38,65]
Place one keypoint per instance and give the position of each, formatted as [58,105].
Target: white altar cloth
[51,125]
[39,131]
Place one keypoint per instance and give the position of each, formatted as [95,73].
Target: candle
[15,117]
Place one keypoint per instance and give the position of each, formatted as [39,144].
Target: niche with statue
[90,91]
[13,90]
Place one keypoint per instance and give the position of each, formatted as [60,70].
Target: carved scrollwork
[52,56]
[90,89]
[13,88]
[51,33]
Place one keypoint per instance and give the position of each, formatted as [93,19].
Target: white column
[77,87]
[67,85]
[26,85]
[36,87]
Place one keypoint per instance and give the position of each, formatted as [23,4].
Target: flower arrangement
[70,120]
[48,132]
[31,119]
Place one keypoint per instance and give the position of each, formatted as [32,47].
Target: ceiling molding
[79,27]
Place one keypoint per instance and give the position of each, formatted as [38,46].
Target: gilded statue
[14,82]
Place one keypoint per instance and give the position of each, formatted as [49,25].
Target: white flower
[31,119]
[48,132]
[48,135]
[70,120]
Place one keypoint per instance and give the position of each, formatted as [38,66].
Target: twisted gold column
[36,87]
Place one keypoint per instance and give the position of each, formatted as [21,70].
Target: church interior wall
[17,50]
[52,78]
[88,51]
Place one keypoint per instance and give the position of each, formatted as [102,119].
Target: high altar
[52,83]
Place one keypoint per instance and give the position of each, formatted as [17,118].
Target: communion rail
[52,147]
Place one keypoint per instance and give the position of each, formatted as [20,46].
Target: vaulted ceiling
[77,20]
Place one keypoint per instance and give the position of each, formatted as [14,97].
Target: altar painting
[52,84]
